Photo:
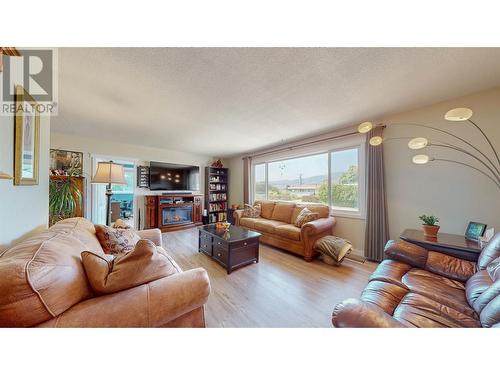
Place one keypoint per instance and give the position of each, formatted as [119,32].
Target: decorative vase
[430,230]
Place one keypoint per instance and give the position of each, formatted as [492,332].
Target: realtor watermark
[36,72]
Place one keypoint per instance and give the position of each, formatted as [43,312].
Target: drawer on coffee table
[220,253]
[243,243]
[220,243]
[206,243]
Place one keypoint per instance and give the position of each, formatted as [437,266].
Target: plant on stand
[64,197]
[429,225]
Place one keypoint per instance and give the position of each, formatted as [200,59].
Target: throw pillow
[145,263]
[252,211]
[305,216]
[121,224]
[115,240]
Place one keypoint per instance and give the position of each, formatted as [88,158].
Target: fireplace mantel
[156,204]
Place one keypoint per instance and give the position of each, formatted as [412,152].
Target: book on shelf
[218,187]
[217,217]
[218,197]
[220,206]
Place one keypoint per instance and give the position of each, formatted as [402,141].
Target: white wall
[24,210]
[454,193]
[142,156]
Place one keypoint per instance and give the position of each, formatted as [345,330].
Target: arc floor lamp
[489,166]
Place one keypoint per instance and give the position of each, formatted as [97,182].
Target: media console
[173,211]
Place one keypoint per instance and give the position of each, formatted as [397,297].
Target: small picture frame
[474,231]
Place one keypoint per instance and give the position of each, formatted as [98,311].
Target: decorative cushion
[145,263]
[321,209]
[267,209]
[305,216]
[116,241]
[121,224]
[252,211]
[283,211]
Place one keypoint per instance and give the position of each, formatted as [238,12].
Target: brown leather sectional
[415,287]
[276,226]
[43,284]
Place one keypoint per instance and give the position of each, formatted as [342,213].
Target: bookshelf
[216,193]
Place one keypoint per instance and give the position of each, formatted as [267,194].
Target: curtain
[247,166]
[377,228]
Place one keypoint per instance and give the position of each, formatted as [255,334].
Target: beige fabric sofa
[276,224]
[43,283]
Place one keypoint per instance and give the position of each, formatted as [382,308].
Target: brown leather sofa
[276,226]
[43,284]
[415,287]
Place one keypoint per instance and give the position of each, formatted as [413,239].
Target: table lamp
[109,173]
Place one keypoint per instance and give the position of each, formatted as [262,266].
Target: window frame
[329,148]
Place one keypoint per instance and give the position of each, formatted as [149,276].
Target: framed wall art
[66,163]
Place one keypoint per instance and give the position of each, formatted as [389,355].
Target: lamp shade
[376,141]
[421,159]
[109,173]
[5,176]
[418,143]
[365,127]
[458,114]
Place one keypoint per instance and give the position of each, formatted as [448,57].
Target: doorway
[123,199]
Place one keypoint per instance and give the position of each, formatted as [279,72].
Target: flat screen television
[174,177]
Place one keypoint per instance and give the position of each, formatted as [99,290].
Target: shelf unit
[216,193]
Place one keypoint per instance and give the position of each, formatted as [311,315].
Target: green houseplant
[429,225]
[64,197]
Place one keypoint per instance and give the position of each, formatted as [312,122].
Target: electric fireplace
[177,215]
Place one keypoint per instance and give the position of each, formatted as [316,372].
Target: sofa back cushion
[43,276]
[267,208]
[489,253]
[283,211]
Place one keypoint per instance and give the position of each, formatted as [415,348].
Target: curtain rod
[301,145]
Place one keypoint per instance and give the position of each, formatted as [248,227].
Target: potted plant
[429,225]
[64,197]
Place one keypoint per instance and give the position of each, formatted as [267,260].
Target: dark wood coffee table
[234,248]
[451,244]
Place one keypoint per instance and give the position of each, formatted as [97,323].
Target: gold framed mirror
[27,139]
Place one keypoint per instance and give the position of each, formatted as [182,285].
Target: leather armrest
[318,226]
[353,313]
[406,252]
[148,305]
[238,214]
[151,234]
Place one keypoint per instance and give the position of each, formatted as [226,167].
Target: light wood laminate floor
[282,290]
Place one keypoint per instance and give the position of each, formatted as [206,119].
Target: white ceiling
[226,101]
